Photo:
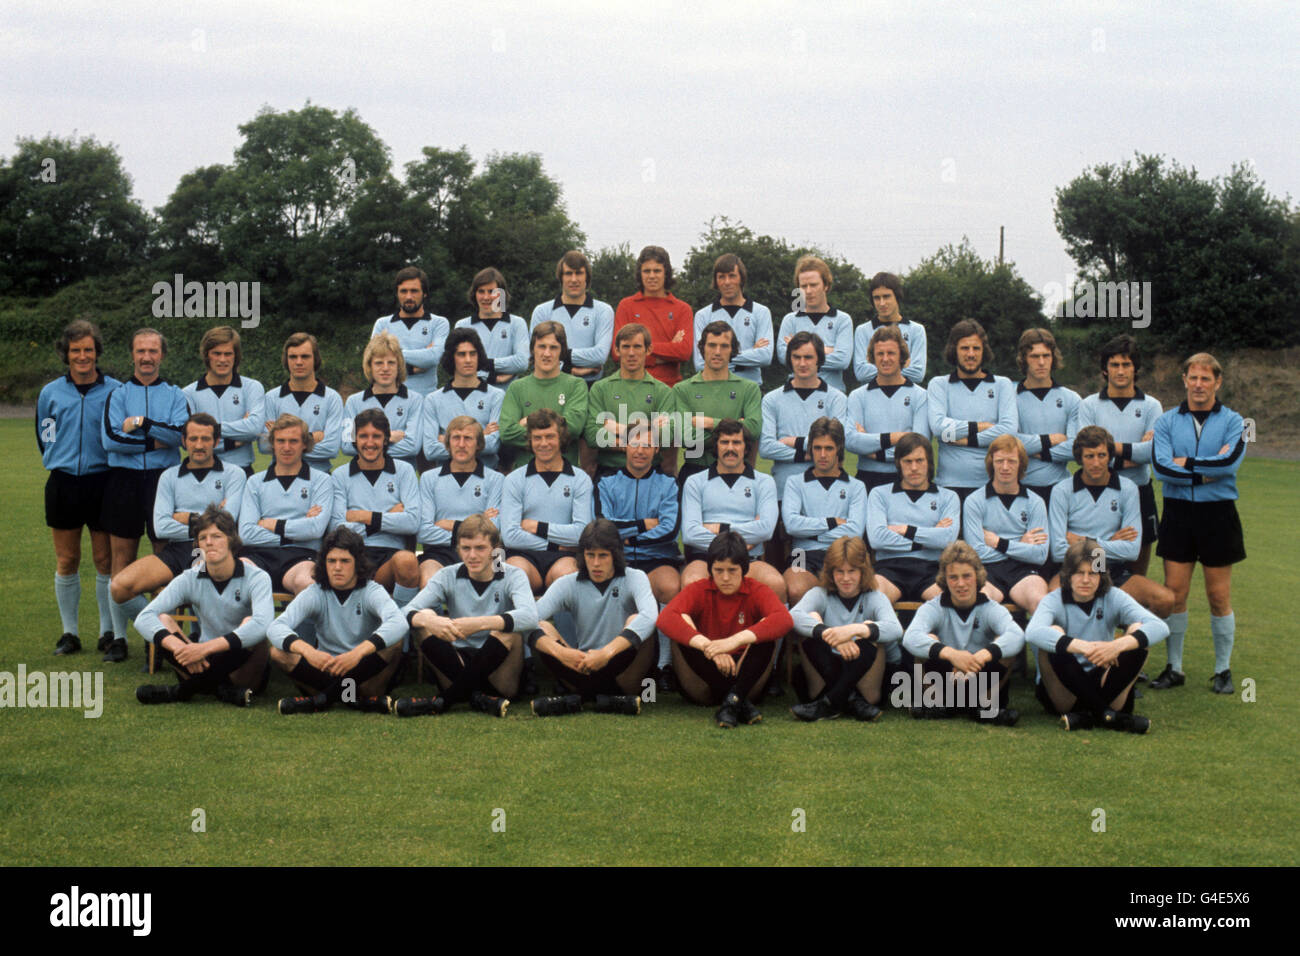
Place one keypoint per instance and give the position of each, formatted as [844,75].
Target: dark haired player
[504,335]
[669,320]
[236,401]
[887,296]
[306,397]
[422,334]
[588,323]
[465,394]
[750,320]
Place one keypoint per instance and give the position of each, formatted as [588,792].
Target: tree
[954,284]
[1213,251]
[66,213]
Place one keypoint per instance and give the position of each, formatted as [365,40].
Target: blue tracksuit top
[627,501]
[1209,474]
[69,420]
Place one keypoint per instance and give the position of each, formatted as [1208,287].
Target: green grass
[1213,784]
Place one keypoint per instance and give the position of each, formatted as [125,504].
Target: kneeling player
[359,633]
[724,628]
[1085,673]
[614,612]
[846,640]
[232,599]
[962,633]
[467,621]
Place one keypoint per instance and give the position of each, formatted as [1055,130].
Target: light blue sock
[125,613]
[104,599]
[665,645]
[403,595]
[1224,630]
[1174,643]
[67,594]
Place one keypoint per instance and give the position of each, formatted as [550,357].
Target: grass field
[1215,782]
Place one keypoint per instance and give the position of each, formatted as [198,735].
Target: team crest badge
[820,405]
[478,491]
[400,411]
[217,485]
[1059,403]
[496,597]
[990,393]
[304,494]
[649,399]
[315,409]
[934,506]
[480,404]
[1137,413]
[236,594]
[234,400]
[733,396]
[391,489]
[561,399]
[698,395]
[424,330]
[842,495]
[586,320]
[358,610]
[1024,517]
[740,617]
[746,321]
[615,590]
[907,402]
[504,334]
[566,491]
[1100,615]
[748,492]
[1114,506]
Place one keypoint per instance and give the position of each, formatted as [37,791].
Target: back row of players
[1011,442]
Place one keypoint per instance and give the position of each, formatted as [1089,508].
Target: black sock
[313,678]
[751,669]
[850,673]
[484,661]
[443,658]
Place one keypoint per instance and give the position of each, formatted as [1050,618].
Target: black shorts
[1150,520]
[1204,531]
[653,564]
[1119,572]
[378,557]
[276,561]
[75,501]
[177,555]
[543,561]
[1004,575]
[444,554]
[910,575]
[874,479]
[128,502]
[812,560]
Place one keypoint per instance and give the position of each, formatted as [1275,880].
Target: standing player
[504,335]
[307,398]
[184,492]
[625,400]
[724,627]
[712,396]
[750,320]
[1099,503]
[142,425]
[286,509]
[1085,673]
[588,323]
[1006,524]
[1047,413]
[730,496]
[452,492]
[1129,416]
[834,328]
[68,415]
[613,613]
[885,409]
[465,394]
[962,631]
[546,387]
[887,295]
[821,505]
[467,621]
[545,505]
[909,523]
[232,600]
[668,318]
[359,633]
[378,497]
[384,369]
[236,402]
[420,334]
[1198,449]
[846,642]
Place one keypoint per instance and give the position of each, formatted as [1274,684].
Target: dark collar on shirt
[887,389]
[1039,392]
[653,471]
[99,380]
[790,386]
[971,383]
[826,480]
[1183,408]
[287,389]
[945,600]
[747,304]
[912,493]
[220,585]
[1006,499]
[482,386]
[388,466]
[817,317]
[730,479]
[409,320]
[1113,482]
[566,469]
[158,381]
[369,393]
[202,383]
[462,476]
[586,303]
[201,473]
[304,473]
[1137,396]
[344,595]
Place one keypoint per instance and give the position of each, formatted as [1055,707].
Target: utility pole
[1002,238]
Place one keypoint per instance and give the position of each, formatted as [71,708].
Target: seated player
[885,409]
[724,628]
[236,402]
[614,613]
[465,394]
[504,336]
[546,386]
[887,295]
[821,505]
[184,492]
[1085,673]
[451,493]
[378,497]
[730,496]
[1100,503]
[910,522]
[588,322]
[962,633]
[1006,524]
[385,370]
[421,334]
[232,600]
[849,633]
[466,622]
[358,628]
[306,397]
[68,414]
[545,505]
[1198,448]
[286,509]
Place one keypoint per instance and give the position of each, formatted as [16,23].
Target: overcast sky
[876,131]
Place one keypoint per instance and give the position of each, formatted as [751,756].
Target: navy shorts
[543,561]
[1004,575]
[1205,531]
[910,575]
[128,502]
[177,555]
[75,501]
[276,561]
